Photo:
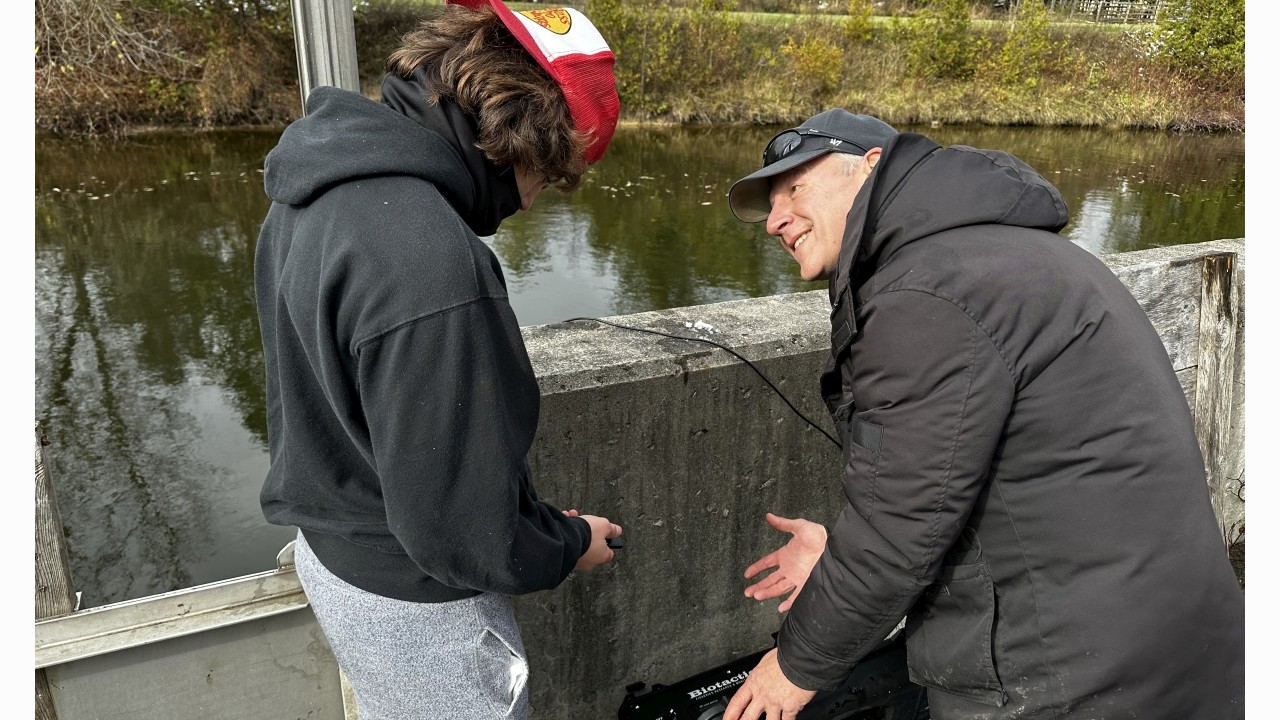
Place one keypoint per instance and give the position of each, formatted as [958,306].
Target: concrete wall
[687,448]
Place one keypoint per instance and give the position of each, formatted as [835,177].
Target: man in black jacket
[401,401]
[1023,479]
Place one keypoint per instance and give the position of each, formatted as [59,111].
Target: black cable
[727,349]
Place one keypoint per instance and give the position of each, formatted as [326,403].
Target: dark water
[148,363]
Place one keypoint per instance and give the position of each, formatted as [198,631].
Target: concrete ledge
[573,356]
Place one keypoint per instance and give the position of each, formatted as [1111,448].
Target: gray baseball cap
[835,130]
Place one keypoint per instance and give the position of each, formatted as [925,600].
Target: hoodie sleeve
[452,406]
[931,394]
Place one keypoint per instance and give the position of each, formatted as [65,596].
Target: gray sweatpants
[461,660]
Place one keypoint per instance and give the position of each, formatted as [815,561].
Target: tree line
[113,66]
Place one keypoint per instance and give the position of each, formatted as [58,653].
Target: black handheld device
[876,689]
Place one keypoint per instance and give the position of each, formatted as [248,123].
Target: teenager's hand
[601,530]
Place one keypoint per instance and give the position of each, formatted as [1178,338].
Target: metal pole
[324,33]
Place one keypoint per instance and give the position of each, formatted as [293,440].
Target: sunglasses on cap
[789,141]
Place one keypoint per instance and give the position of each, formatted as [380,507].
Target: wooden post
[54,592]
[1215,379]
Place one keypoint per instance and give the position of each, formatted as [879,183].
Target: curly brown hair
[470,57]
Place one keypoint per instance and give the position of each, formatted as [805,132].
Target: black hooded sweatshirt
[400,399]
[1021,468]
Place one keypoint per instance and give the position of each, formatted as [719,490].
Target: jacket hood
[346,136]
[920,189]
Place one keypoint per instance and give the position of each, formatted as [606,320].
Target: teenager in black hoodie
[401,402]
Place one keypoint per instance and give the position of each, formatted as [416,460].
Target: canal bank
[681,62]
[687,443]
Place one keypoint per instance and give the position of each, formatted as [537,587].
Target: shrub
[665,53]
[1026,53]
[815,66]
[104,65]
[857,28]
[1201,37]
[939,41]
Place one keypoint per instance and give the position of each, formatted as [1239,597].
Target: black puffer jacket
[1022,473]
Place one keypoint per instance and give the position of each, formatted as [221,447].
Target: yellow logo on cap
[556,20]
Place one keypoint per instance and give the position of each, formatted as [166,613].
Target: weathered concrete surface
[687,448]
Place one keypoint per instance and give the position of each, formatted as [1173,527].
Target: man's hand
[794,561]
[767,692]
[602,530]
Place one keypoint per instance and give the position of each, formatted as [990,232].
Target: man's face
[808,208]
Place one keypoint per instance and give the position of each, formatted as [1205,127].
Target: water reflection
[148,362]
[148,369]
[1130,190]
[650,228]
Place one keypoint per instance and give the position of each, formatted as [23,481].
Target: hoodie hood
[919,189]
[346,136]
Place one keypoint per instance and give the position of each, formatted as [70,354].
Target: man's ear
[873,156]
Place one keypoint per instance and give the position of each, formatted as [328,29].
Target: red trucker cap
[568,46]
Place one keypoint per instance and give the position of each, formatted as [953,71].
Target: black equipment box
[876,689]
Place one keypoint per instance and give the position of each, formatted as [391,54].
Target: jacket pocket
[949,636]
[866,435]
[861,441]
